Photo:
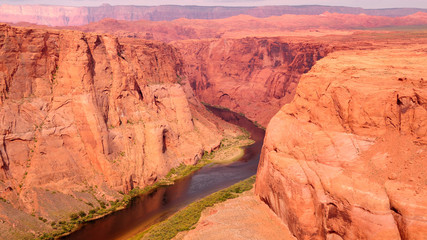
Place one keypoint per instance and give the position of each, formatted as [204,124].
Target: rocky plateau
[71,16]
[241,26]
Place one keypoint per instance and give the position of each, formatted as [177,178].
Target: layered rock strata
[84,116]
[246,26]
[346,158]
[69,16]
[253,76]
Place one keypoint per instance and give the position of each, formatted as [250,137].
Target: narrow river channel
[147,210]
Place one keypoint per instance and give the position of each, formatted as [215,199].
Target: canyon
[346,158]
[88,113]
[71,16]
[253,76]
[267,54]
[247,26]
[84,117]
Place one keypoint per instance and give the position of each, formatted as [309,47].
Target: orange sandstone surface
[346,159]
[247,64]
[243,25]
[85,116]
[72,16]
[245,217]
[253,76]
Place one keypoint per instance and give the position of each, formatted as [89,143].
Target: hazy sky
[352,3]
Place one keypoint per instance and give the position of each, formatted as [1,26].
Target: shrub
[74,216]
[82,214]
[185,219]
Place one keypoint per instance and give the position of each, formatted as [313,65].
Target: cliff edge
[84,117]
[346,158]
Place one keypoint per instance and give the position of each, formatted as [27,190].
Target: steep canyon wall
[346,158]
[253,76]
[84,116]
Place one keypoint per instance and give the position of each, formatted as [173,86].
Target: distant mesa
[74,16]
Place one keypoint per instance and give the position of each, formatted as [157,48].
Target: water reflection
[163,202]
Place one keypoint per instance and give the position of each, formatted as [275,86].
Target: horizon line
[176,5]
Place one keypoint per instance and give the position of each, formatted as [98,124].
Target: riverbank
[230,149]
[244,217]
[256,123]
[186,218]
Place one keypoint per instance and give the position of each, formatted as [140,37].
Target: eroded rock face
[240,26]
[83,116]
[254,76]
[346,158]
[255,221]
[69,16]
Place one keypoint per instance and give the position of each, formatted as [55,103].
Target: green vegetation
[179,79]
[241,114]
[230,150]
[54,81]
[82,214]
[258,125]
[38,127]
[74,216]
[63,227]
[216,106]
[186,218]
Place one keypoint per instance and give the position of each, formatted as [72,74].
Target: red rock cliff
[254,76]
[83,116]
[346,158]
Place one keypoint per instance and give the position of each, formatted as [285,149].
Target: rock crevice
[87,115]
[344,159]
[253,76]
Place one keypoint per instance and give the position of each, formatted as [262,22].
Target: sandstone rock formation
[239,69]
[71,16]
[244,217]
[243,25]
[254,76]
[83,116]
[346,158]
[251,75]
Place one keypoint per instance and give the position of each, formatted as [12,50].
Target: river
[152,208]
